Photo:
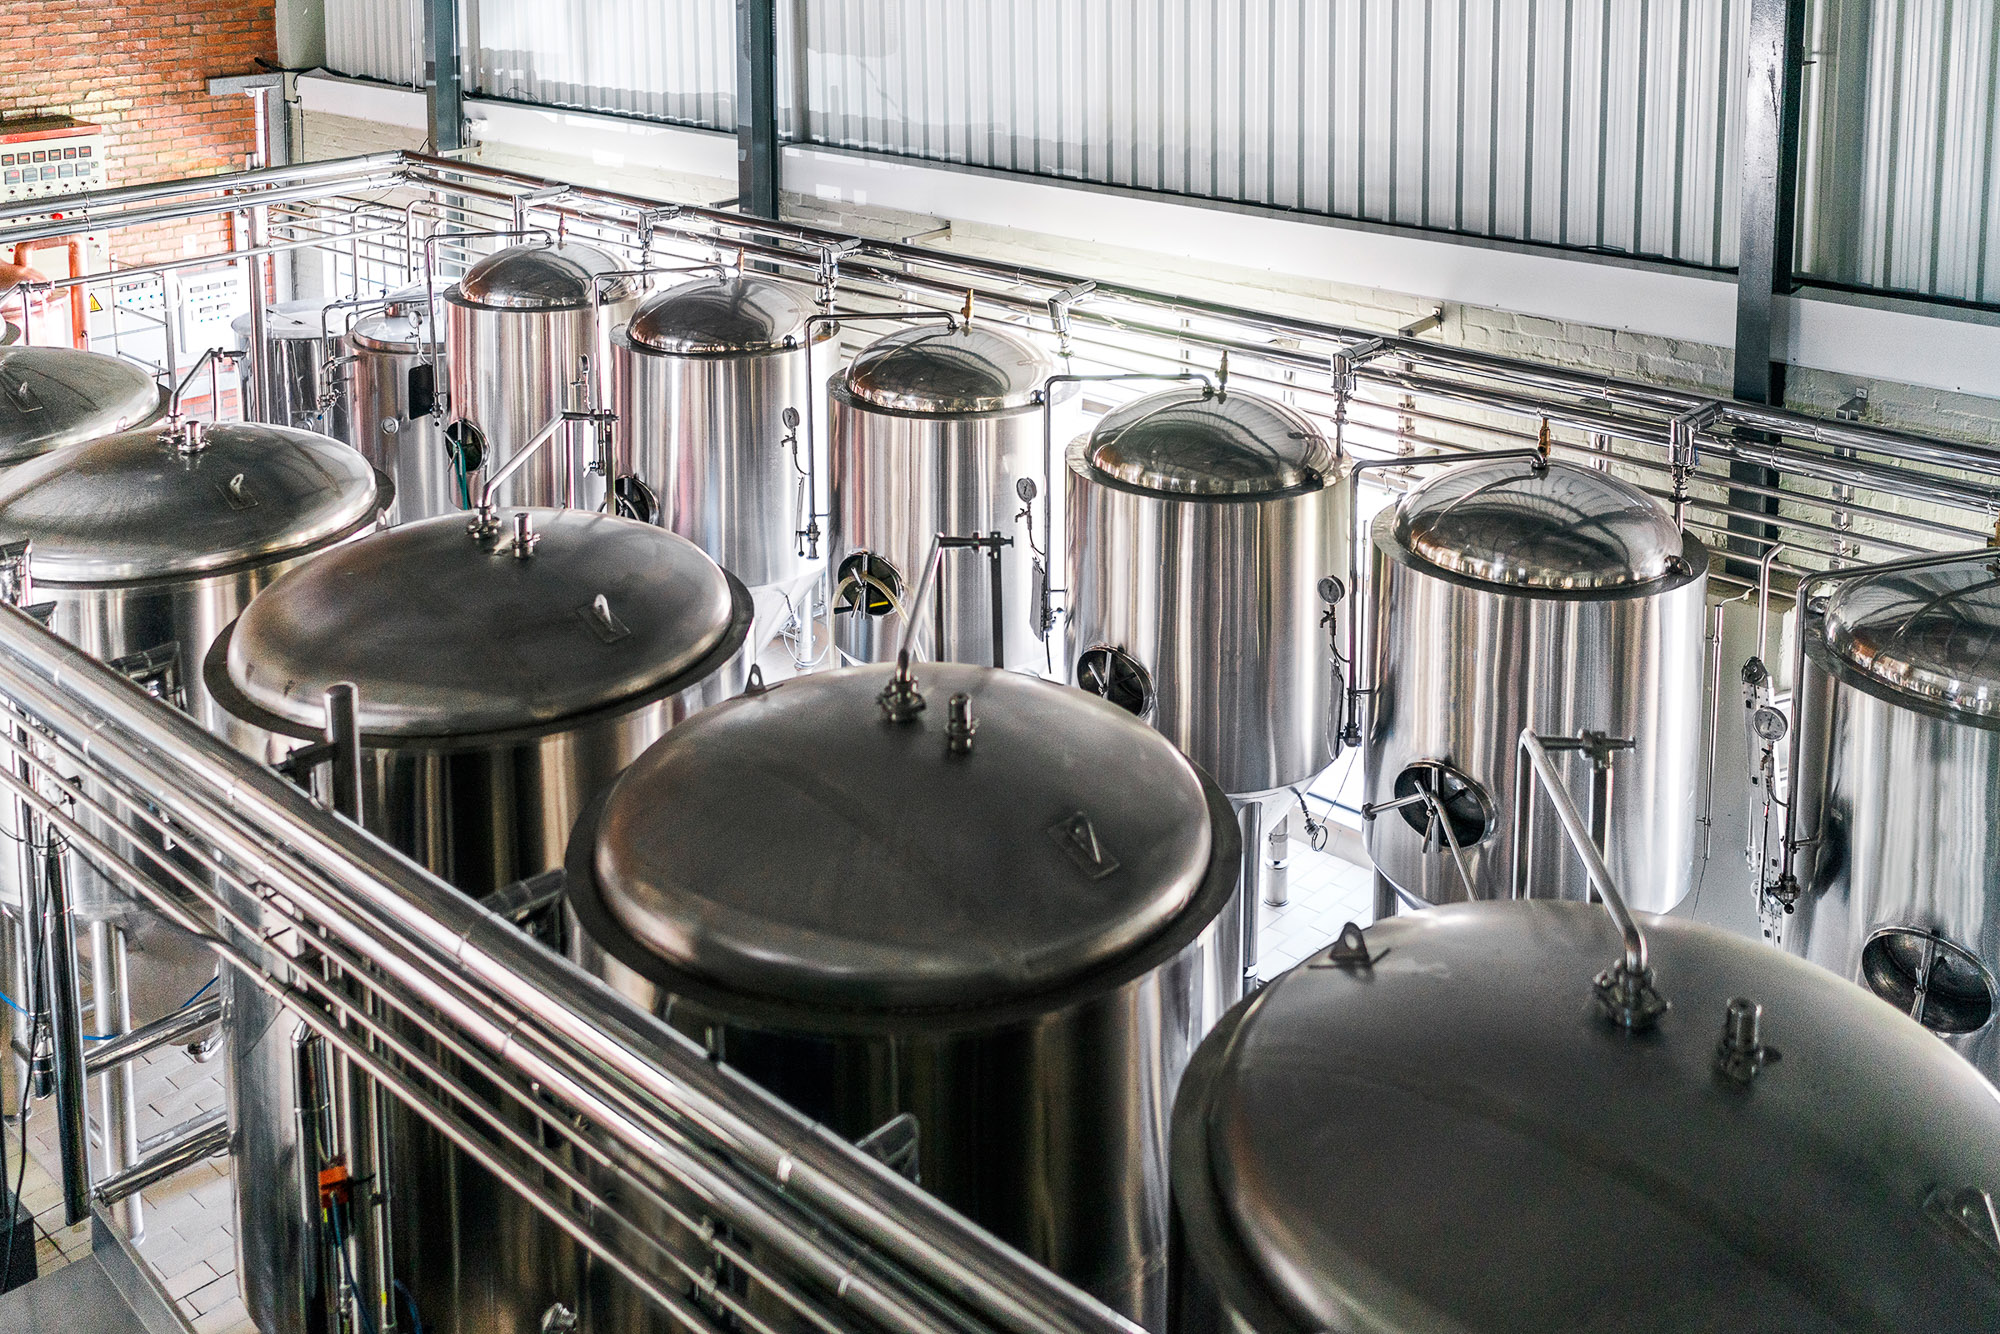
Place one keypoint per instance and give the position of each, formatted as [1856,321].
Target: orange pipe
[79,333]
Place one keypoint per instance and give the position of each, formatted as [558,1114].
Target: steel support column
[446,100]
[757,107]
[1769,213]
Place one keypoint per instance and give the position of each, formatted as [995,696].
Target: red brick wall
[140,68]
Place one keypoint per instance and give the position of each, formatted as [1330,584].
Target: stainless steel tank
[993,918]
[706,372]
[931,429]
[149,542]
[1898,792]
[394,360]
[1201,527]
[303,356]
[56,396]
[521,329]
[503,679]
[1511,594]
[1430,1127]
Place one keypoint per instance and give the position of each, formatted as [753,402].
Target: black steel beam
[1768,209]
[446,101]
[757,107]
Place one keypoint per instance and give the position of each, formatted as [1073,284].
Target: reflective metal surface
[56,396]
[900,477]
[1798,1168]
[1462,665]
[976,890]
[1550,526]
[1900,865]
[968,368]
[1215,597]
[1199,442]
[394,377]
[706,371]
[518,334]
[500,690]
[1932,633]
[451,636]
[1032,1019]
[171,501]
[303,354]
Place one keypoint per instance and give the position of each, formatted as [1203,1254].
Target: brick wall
[141,68]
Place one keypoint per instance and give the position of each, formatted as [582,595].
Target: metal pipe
[165,1031]
[207,1137]
[1543,767]
[75,223]
[89,207]
[66,1024]
[111,1012]
[1764,597]
[1250,819]
[343,736]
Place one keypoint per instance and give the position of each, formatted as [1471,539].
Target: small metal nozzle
[959,724]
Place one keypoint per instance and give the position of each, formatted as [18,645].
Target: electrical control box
[50,156]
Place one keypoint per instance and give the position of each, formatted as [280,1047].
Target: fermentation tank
[1203,528]
[503,678]
[56,396]
[394,360]
[1898,791]
[528,336]
[706,372]
[1512,594]
[993,917]
[1431,1126]
[303,356]
[931,430]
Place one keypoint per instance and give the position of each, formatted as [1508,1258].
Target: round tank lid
[290,320]
[169,501]
[1557,526]
[56,396]
[544,277]
[1451,1137]
[949,371]
[1198,443]
[449,635]
[731,314]
[399,326]
[796,846]
[1933,633]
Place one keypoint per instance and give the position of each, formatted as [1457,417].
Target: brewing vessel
[932,429]
[528,336]
[980,927]
[298,366]
[707,370]
[1433,1125]
[56,396]
[393,366]
[1538,594]
[1898,784]
[505,672]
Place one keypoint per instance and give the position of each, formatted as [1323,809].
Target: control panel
[50,156]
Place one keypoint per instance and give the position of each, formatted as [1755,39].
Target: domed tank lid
[795,845]
[1444,1134]
[56,396]
[732,314]
[1554,526]
[942,371]
[169,501]
[543,277]
[1933,633]
[1200,443]
[446,634]
[291,320]
[399,326]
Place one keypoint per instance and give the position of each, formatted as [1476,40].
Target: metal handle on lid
[1625,990]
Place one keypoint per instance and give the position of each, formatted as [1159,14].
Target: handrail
[866,1240]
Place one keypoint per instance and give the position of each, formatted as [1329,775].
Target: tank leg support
[1385,898]
[1250,819]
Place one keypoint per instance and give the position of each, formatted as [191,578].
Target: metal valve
[525,537]
[959,724]
[899,699]
[1742,1054]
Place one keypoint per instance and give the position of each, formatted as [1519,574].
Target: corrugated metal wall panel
[1902,114]
[376,39]
[669,60]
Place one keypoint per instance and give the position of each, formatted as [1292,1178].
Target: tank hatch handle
[1970,1216]
[894,1143]
[1077,837]
[1350,951]
[20,393]
[603,621]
